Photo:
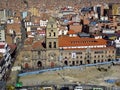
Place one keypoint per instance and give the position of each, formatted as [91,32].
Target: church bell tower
[52,48]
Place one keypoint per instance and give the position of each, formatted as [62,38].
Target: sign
[73,55]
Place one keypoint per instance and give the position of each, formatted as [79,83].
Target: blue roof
[93,23]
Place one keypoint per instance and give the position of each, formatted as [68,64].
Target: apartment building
[5,60]
[2,33]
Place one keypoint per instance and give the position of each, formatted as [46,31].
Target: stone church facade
[68,50]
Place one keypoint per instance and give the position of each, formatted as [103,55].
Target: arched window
[54,44]
[49,33]
[50,45]
[26,65]
[54,34]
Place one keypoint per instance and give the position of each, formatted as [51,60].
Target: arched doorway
[52,64]
[98,60]
[39,64]
[88,61]
[81,62]
[94,61]
[109,60]
[73,63]
[26,65]
[66,62]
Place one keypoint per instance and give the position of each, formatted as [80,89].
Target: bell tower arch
[52,48]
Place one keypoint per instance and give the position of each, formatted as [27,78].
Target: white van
[78,88]
[46,88]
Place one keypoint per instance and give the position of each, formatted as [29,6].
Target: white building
[2,34]
[117,43]
[108,31]
[5,59]
[43,23]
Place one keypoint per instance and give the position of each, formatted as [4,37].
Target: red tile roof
[66,41]
[28,41]
[37,44]
[26,48]
[71,32]
[40,31]
[2,46]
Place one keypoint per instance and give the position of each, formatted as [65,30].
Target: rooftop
[65,41]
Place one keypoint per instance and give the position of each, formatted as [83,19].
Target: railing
[66,67]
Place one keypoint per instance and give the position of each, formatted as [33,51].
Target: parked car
[97,89]
[46,88]
[78,88]
[64,88]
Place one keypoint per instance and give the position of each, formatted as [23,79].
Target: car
[78,88]
[64,88]
[47,88]
[97,89]
[23,89]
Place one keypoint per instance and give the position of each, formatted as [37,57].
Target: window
[49,34]
[76,62]
[54,34]
[50,45]
[51,25]
[38,52]
[94,61]
[98,52]
[78,52]
[81,62]
[54,44]
[98,56]
[88,56]
[69,53]
[113,51]
[77,57]
[102,56]
[80,56]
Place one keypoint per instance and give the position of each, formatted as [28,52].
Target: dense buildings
[69,49]
[65,33]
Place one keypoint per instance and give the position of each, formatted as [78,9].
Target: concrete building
[2,33]
[5,60]
[43,23]
[5,14]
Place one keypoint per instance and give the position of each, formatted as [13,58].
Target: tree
[10,87]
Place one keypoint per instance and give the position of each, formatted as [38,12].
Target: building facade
[2,33]
[75,50]
[5,60]
[69,49]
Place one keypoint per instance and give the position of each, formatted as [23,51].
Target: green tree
[10,87]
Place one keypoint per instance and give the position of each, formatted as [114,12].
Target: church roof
[66,41]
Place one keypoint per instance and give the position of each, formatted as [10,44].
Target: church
[72,49]
[66,50]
